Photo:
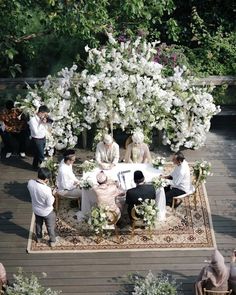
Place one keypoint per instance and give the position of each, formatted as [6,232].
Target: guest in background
[13,129]
[213,276]
[38,129]
[138,151]
[232,275]
[42,203]
[107,193]
[141,191]
[3,278]
[66,181]
[107,152]
[180,180]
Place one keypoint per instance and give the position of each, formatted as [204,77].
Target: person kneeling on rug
[66,182]
[42,203]
[180,179]
[141,191]
[107,193]
[213,276]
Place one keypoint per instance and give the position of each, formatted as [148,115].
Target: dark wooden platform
[103,273]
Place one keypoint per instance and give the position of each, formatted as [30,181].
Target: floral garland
[159,182]
[124,86]
[201,170]
[98,219]
[148,210]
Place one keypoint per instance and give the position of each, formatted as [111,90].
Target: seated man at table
[180,180]
[138,151]
[107,193]
[107,152]
[67,183]
[141,191]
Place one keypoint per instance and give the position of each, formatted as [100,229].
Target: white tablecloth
[123,173]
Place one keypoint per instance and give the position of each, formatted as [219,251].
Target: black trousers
[172,192]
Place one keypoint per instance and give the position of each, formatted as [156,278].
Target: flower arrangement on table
[52,165]
[86,183]
[158,162]
[201,170]
[98,219]
[153,285]
[159,182]
[88,165]
[148,210]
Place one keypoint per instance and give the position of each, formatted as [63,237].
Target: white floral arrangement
[98,219]
[53,166]
[124,87]
[86,183]
[88,165]
[159,182]
[154,285]
[158,162]
[148,210]
[202,169]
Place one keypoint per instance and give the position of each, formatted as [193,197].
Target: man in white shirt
[38,129]
[67,183]
[107,153]
[180,180]
[42,203]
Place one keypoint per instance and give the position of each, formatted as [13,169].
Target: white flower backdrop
[122,86]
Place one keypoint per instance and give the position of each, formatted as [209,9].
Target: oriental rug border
[188,229]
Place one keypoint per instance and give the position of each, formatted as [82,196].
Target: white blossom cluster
[122,86]
[57,95]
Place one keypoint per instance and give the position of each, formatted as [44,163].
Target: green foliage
[153,285]
[24,285]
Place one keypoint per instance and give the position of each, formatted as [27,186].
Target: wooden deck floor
[103,273]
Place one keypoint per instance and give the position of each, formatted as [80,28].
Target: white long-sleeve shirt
[66,178]
[181,177]
[110,155]
[41,196]
[38,129]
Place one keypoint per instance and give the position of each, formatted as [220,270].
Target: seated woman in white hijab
[138,151]
[213,276]
[66,181]
[107,153]
[232,275]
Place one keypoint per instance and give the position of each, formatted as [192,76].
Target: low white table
[124,174]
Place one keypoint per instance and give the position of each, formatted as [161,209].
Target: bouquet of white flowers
[88,165]
[98,219]
[159,182]
[158,162]
[86,183]
[52,166]
[148,210]
[201,169]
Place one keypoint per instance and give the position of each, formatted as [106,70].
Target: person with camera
[38,128]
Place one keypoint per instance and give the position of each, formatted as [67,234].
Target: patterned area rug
[187,229]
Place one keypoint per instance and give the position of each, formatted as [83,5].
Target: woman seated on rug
[107,193]
[107,152]
[138,151]
[232,275]
[213,276]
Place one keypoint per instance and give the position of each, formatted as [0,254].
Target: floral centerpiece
[88,165]
[153,285]
[201,169]
[86,183]
[159,182]
[98,219]
[158,162]
[148,210]
[52,166]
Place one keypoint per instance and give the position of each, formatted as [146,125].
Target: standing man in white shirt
[180,179]
[107,152]
[42,203]
[67,183]
[38,130]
